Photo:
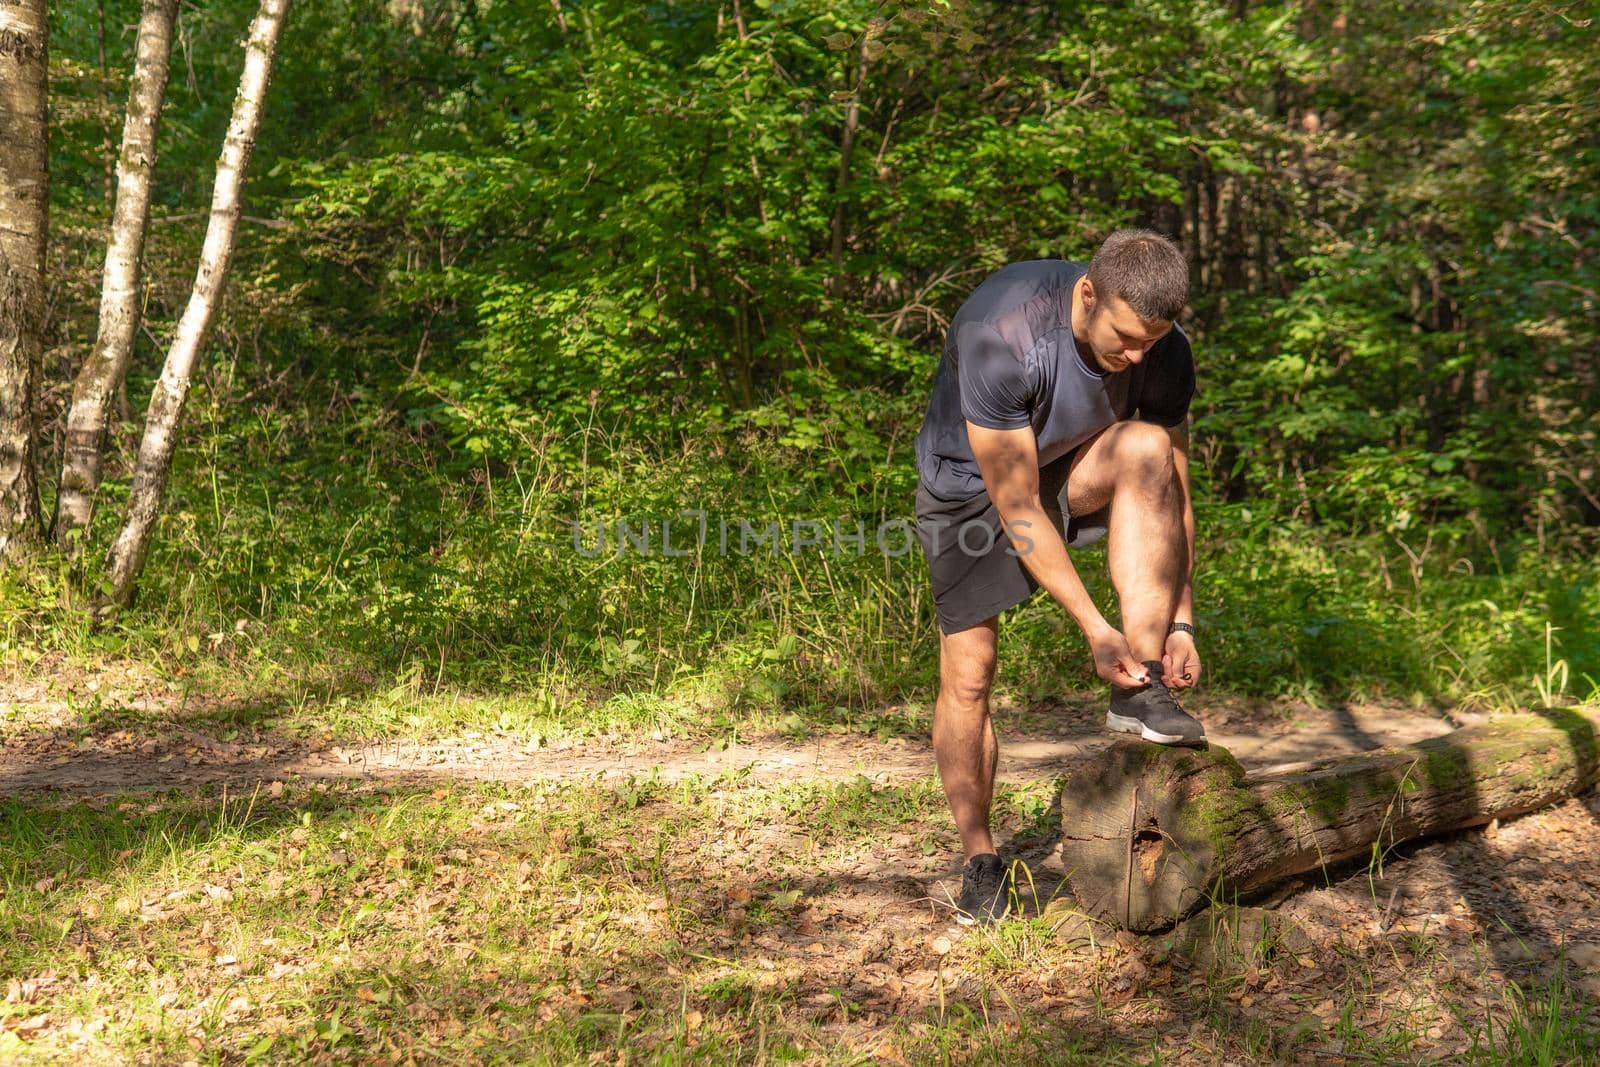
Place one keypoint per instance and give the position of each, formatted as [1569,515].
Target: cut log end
[1134,839]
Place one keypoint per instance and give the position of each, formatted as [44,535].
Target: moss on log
[1151,834]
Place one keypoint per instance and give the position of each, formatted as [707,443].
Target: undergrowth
[300,566]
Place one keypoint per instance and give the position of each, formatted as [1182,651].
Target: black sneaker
[985,891]
[1152,712]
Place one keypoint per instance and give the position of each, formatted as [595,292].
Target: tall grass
[352,556]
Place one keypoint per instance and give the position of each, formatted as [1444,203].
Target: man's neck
[1079,315]
[1080,335]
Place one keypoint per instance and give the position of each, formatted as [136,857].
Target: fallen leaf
[889,1052]
[29,1027]
[1585,955]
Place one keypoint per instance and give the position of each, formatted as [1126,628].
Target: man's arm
[1180,459]
[1008,461]
[1180,659]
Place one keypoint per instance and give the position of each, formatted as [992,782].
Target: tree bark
[103,372]
[847,144]
[1151,834]
[108,156]
[24,230]
[126,559]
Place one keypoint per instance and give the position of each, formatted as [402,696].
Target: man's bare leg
[1146,550]
[1130,466]
[963,737]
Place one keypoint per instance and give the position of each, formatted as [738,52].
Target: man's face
[1118,337]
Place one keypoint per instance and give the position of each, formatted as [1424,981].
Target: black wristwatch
[1181,627]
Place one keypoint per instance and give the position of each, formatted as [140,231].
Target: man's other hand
[1114,660]
[1180,663]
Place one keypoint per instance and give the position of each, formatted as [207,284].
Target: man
[1058,413]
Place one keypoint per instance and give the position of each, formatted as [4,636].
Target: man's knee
[966,690]
[1145,450]
[966,666]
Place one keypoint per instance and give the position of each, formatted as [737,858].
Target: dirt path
[1400,962]
[163,755]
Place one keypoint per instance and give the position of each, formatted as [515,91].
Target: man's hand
[1009,463]
[1180,663]
[1114,660]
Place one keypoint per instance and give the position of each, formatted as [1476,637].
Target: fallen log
[1152,834]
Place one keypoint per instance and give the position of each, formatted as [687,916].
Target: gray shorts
[976,572]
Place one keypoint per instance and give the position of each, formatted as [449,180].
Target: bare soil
[1400,960]
[46,749]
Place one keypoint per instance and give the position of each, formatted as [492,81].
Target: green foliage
[352,570]
[529,266]
[652,222]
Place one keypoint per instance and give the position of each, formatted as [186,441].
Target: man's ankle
[987,850]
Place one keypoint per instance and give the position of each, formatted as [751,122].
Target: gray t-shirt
[1010,361]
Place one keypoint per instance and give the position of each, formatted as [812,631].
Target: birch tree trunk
[102,373]
[24,229]
[126,558]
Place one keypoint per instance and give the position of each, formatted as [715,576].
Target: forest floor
[180,885]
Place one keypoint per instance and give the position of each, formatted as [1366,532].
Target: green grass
[340,584]
[340,581]
[331,922]
[704,920]
[1544,1024]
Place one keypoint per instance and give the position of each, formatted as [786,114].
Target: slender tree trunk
[24,229]
[126,558]
[755,167]
[1232,220]
[1195,235]
[847,144]
[107,154]
[103,372]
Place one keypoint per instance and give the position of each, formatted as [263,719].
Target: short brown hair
[1145,269]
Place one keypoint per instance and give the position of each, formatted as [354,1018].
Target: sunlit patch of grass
[680,920]
[965,1034]
[859,804]
[466,608]
[1548,1022]
[1020,943]
[549,922]
[442,899]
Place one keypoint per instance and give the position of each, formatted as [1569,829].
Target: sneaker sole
[1123,724]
